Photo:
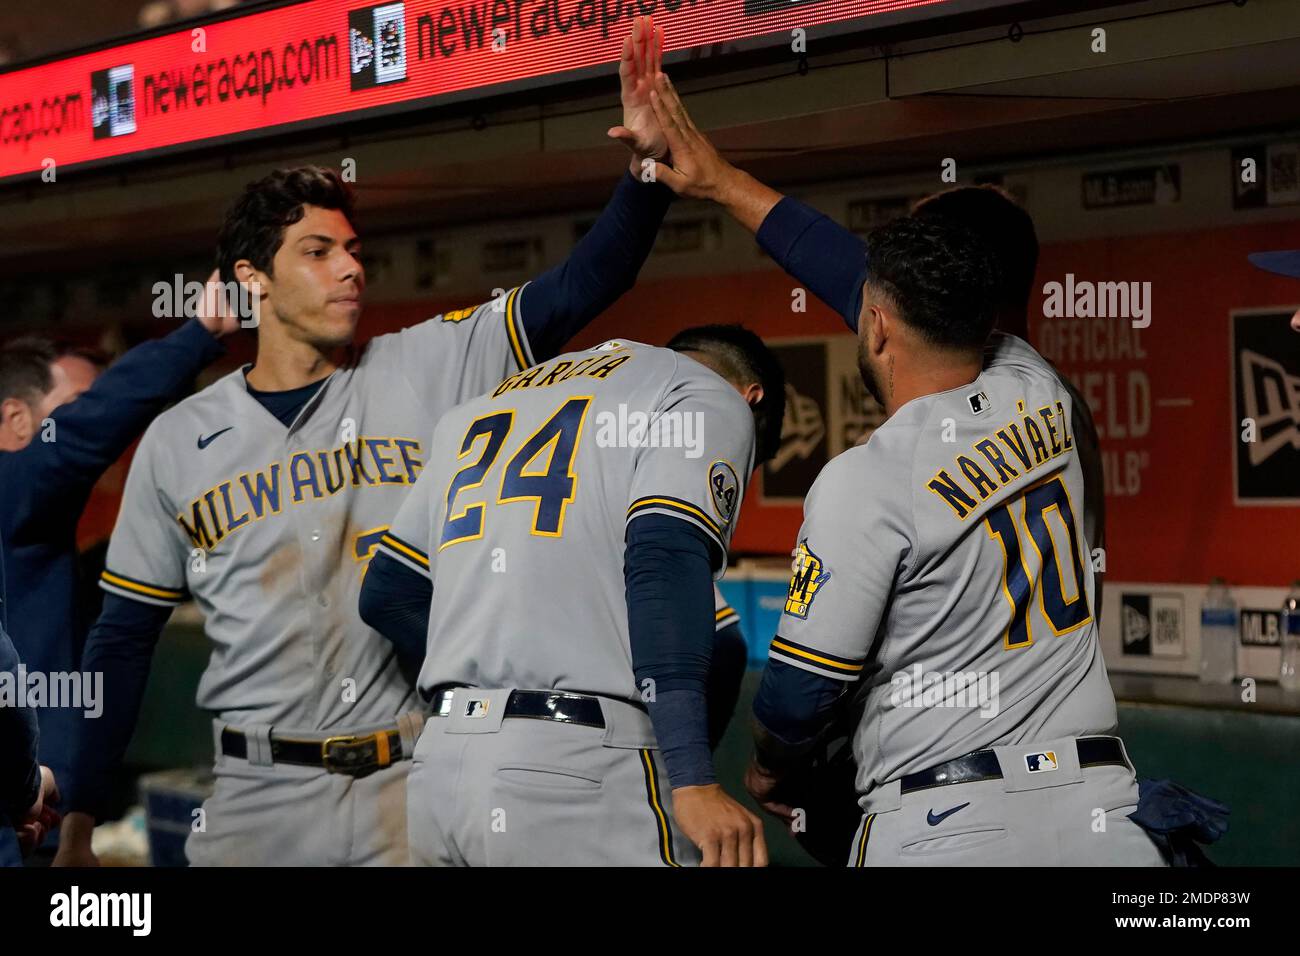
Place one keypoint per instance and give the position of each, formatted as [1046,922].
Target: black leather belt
[530,704]
[983,764]
[355,756]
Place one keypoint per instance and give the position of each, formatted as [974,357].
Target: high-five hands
[697,169]
[640,132]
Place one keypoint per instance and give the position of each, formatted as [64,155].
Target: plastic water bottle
[1218,635]
[1289,679]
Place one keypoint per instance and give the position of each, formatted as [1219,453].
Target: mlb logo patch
[1040,762]
[979,403]
[478,707]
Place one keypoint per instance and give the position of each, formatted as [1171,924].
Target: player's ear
[246,272]
[878,328]
[1295,321]
[753,394]
[18,417]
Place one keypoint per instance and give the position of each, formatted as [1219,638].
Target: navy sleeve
[791,709]
[602,266]
[726,673]
[667,569]
[20,774]
[92,432]
[395,601]
[120,646]
[819,252]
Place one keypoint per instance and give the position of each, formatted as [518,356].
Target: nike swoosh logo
[205,442]
[934,819]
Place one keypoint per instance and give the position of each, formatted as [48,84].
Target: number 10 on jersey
[1024,575]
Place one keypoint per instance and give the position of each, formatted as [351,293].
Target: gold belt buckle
[346,739]
[382,759]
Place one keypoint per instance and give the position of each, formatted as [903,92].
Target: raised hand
[215,313]
[696,168]
[642,57]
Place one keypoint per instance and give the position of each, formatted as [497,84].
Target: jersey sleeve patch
[156,594]
[812,659]
[724,490]
[808,577]
[459,315]
[405,552]
[725,616]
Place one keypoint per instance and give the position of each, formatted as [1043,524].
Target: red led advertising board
[304,63]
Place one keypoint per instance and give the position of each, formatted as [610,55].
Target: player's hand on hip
[215,313]
[74,841]
[640,132]
[726,833]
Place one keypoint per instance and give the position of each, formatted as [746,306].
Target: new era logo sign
[979,403]
[1040,762]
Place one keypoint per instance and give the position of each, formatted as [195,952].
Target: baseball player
[570,555]
[943,563]
[264,496]
[1008,232]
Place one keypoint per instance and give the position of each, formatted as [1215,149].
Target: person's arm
[120,646]
[668,571]
[823,255]
[144,579]
[397,594]
[604,264]
[395,601]
[854,540]
[20,773]
[91,433]
[1088,447]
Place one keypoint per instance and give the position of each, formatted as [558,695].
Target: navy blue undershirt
[668,568]
[827,258]
[285,405]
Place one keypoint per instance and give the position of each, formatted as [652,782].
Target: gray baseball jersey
[269,528]
[945,562]
[519,516]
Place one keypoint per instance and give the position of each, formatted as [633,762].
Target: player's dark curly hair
[742,357]
[943,279]
[254,226]
[25,369]
[1009,233]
